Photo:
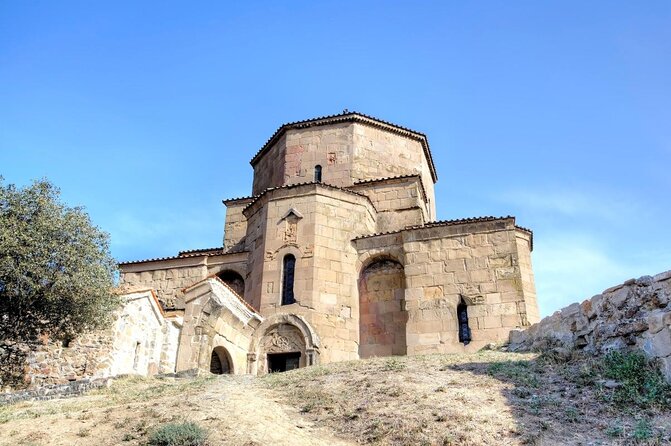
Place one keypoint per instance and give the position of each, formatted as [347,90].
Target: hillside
[489,398]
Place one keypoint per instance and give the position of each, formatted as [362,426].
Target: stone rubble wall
[74,388]
[634,315]
[51,363]
[140,341]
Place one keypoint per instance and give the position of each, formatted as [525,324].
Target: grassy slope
[487,398]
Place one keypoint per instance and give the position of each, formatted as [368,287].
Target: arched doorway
[382,317]
[233,280]
[220,362]
[283,342]
[284,348]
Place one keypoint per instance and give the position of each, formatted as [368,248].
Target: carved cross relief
[290,220]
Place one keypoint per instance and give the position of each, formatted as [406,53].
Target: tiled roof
[215,277]
[449,223]
[233,200]
[350,116]
[306,183]
[191,252]
[185,255]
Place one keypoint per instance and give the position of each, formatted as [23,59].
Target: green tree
[56,273]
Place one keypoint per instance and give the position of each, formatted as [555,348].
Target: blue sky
[147,114]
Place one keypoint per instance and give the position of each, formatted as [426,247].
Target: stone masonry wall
[634,315]
[380,154]
[166,278]
[136,343]
[325,275]
[235,225]
[483,263]
[399,202]
[53,363]
[269,170]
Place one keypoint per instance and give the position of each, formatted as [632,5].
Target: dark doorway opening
[219,362]
[282,362]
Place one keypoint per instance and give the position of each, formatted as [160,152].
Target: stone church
[335,255]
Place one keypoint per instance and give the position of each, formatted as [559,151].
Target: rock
[661,344]
[611,384]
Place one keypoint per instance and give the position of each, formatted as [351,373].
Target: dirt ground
[489,398]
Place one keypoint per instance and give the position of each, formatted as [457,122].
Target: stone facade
[142,340]
[337,256]
[634,315]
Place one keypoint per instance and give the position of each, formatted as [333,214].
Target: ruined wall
[139,341]
[51,362]
[634,315]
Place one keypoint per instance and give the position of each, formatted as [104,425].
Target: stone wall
[381,310]
[348,153]
[215,317]
[379,154]
[320,240]
[485,263]
[399,202]
[141,340]
[168,277]
[53,362]
[634,315]
[269,170]
[235,225]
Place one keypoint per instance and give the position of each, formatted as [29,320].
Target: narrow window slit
[462,319]
[288,269]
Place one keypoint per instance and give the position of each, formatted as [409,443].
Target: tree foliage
[56,271]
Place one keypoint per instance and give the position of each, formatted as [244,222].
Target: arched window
[318,173]
[288,279]
[462,319]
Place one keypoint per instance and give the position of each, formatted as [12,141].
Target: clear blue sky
[147,113]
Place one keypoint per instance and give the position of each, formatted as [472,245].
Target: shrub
[641,382]
[178,434]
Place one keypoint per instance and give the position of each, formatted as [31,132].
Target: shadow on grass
[572,401]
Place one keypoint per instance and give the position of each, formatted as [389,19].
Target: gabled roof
[350,116]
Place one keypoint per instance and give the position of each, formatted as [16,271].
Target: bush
[182,434]
[641,382]
[56,274]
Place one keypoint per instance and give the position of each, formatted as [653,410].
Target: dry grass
[489,398]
